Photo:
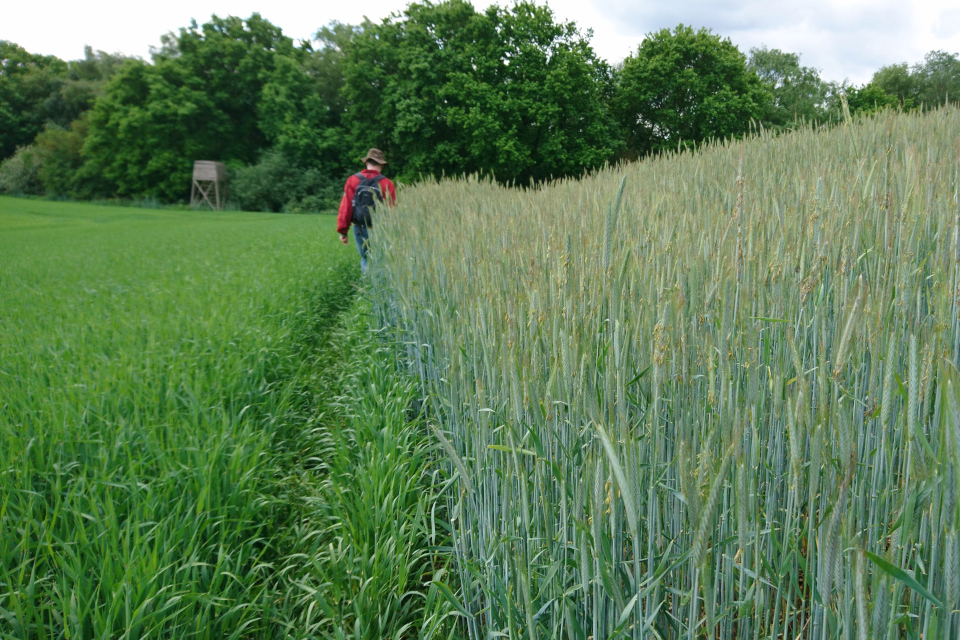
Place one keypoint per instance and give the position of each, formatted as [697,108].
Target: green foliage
[279,183]
[797,93]
[930,82]
[20,173]
[36,91]
[63,171]
[150,125]
[938,78]
[296,120]
[303,103]
[199,100]
[82,84]
[27,82]
[685,87]
[95,66]
[444,89]
[870,98]
[896,80]
[61,161]
[326,63]
[230,59]
[47,102]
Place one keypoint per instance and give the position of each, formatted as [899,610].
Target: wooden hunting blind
[209,184]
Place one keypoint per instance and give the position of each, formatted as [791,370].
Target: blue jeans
[361,234]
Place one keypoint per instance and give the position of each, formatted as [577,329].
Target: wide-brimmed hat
[375,155]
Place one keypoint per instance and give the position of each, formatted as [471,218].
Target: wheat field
[707,395]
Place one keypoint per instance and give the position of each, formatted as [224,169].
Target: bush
[278,183]
[61,163]
[20,173]
[871,98]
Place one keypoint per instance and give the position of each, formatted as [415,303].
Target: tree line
[442,88]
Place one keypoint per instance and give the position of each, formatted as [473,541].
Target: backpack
[365,199]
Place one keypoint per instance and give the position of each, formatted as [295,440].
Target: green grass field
[201,437]
[151,375]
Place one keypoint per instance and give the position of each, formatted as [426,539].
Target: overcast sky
[845,39]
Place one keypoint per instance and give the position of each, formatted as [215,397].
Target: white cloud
[947,24]
[63,27]
[844,38]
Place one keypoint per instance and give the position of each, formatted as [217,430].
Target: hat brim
[377,160]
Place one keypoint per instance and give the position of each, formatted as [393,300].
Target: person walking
[361,195]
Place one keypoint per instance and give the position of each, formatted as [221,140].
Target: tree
[62,170]
[896,80]
[686,86]
[930,82]
[395,73]
[797,93]
[201,99]
[938,78]
[79,88]
[302,104]
[44,101]
[149,127]
[231,60]
[868,99]
[27,83]
[557,95]
[325,64]
[445,89]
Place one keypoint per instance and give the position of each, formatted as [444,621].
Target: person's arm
[345,214]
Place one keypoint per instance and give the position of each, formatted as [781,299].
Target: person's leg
[360,234]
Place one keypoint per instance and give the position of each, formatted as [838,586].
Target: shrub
[60,161]
[871,98]
[20,173]
[279,183]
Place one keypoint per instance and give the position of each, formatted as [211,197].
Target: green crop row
[707,395]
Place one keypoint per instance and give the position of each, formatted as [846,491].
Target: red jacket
[346,205]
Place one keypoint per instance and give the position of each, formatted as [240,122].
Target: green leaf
[904,577]
[627,610]
[637,377]
[452,599]
[630,505]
